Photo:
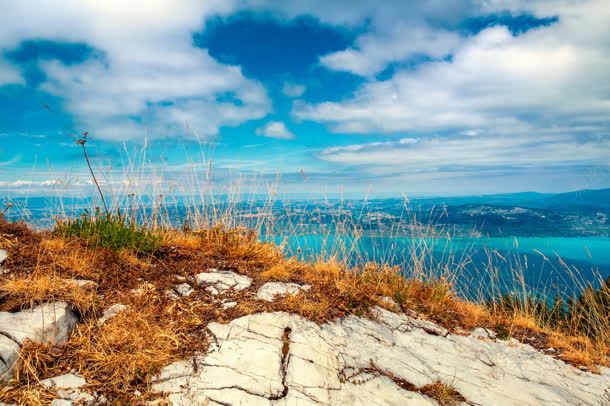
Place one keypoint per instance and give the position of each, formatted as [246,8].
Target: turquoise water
[561,265]
[592,250]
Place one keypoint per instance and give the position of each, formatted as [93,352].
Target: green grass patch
[111,231]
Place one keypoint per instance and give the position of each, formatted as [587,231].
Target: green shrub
[111,231]
[502,332]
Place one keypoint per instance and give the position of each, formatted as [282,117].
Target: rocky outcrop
[9,351]
[283,359]
[49,323]
[69,389]
[217,282]
[183,289]
[270,290]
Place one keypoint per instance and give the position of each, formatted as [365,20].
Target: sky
[442,97]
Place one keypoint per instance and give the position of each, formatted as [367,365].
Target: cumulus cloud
[551,76]
[374,51]
[148,79]
[293,90]
[275,129]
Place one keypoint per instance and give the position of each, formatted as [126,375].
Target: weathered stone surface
[270,290]
[69,387]
[84,283]
[389,302]
[483,334]
[220,281]
[62,402]
[9,350]
[48,323]
[183,289]
[283,359]
[3,256]
[228,305]
[111,312]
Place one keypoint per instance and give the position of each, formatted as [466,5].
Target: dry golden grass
[443,394]
[182,239]
[27,395]
[578,350]
[280,271]
[74,257]
[36,288]
[238,244]
[5,241]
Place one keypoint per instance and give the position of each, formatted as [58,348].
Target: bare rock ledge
[48,323]
[217,282]
[270,290]
[283,359]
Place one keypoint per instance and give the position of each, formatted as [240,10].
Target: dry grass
[73,257]
[239,244]
[27,395]
[37,288]
[445,395]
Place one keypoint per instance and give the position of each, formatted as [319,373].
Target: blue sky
[440,97]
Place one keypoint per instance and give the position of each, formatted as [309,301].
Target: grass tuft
[110,231]
[444,395]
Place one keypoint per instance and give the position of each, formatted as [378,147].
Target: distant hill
[581,198]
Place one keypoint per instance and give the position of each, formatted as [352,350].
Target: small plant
[111,231]
[82,141]
[7,206]
[502,332]
[445,395]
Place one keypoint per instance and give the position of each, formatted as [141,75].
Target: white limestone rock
[283,359]
[83,283]
[391,303]
[62,402]
[228,305]
[111,312]
[9,351]
[217,282]
[3,256]
[183,289]
[171,294]
[69,387]
[483,334]
[270,290]
[48,323]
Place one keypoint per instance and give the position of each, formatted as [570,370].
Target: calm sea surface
[553,265]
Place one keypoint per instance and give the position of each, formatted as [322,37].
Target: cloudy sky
[439,97]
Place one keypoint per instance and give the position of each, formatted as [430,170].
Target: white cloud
[463,153]
[374,51]
[9,74]
[149,69]
[293,90]
[549,77]
[275,129]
